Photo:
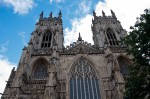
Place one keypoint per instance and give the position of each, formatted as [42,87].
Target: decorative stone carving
[110,60]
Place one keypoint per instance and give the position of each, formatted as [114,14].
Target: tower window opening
[111,37]
[46,43]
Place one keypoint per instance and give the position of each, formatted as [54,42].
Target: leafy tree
[138,42]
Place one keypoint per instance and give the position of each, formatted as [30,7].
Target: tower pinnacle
[94,14]
[79,38]
[103,13]
[41,16]
[60,14]
[113,14]
[51,15]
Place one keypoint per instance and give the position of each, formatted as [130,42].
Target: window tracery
[40,70]
[46,42]
[111,37]
[83,82]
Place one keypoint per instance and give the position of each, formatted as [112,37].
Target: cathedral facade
[48,70]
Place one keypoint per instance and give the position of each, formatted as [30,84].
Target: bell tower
[48,32]
[106,29]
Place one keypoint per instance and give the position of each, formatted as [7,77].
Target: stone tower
[48,70]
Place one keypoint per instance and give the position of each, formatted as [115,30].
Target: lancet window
[83,82]
[124,65]
[46,42]
[40,70]
[111,37]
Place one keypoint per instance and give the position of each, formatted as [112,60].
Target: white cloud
[57,1]
[82,25]
[126,11]
[3,47]
[5,70]
[84,7]
[20,6]
[23,37]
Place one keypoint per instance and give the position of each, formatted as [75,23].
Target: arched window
[40,69]
[124,64]
[83,82]
[46,42]
[111,37]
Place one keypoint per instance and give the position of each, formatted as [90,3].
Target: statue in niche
[52,78]
[110,60]
[22,78]
[55,39]
[35,39]
[54,61]
[39,32]
[51,92]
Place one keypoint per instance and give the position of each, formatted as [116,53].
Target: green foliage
[138,42]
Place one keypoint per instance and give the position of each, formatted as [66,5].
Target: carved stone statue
[52,78]
[36,40]
[55,39]
[110,61]
[51,92]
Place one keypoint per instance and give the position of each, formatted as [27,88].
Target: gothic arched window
[83,82]
[40,69]
[46,42]
[124,64]
[111,37]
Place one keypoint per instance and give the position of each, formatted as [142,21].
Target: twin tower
[48,70]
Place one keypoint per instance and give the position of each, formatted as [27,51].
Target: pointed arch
[124,63]
[47,38]
[83,80]
[39,68]
[88,59]
[112,39]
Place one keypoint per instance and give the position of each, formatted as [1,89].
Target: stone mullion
[47,39]
[73,87]
[84,80]
[77,87]
[81,88]
[96,87]
[92,87]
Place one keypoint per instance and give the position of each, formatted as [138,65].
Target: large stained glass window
[83,82]
[40,70]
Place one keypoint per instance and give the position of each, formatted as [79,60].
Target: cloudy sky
[18,18]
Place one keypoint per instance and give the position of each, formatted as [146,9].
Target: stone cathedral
[48,70]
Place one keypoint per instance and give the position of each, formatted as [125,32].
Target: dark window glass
[123,63]
[46,40]
[111,37]
[40,70]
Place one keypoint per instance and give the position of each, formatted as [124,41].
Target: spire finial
[113,14]
[79,38]
[41,16]
[103,13]
[51,15]
[94,14]
[60,14]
